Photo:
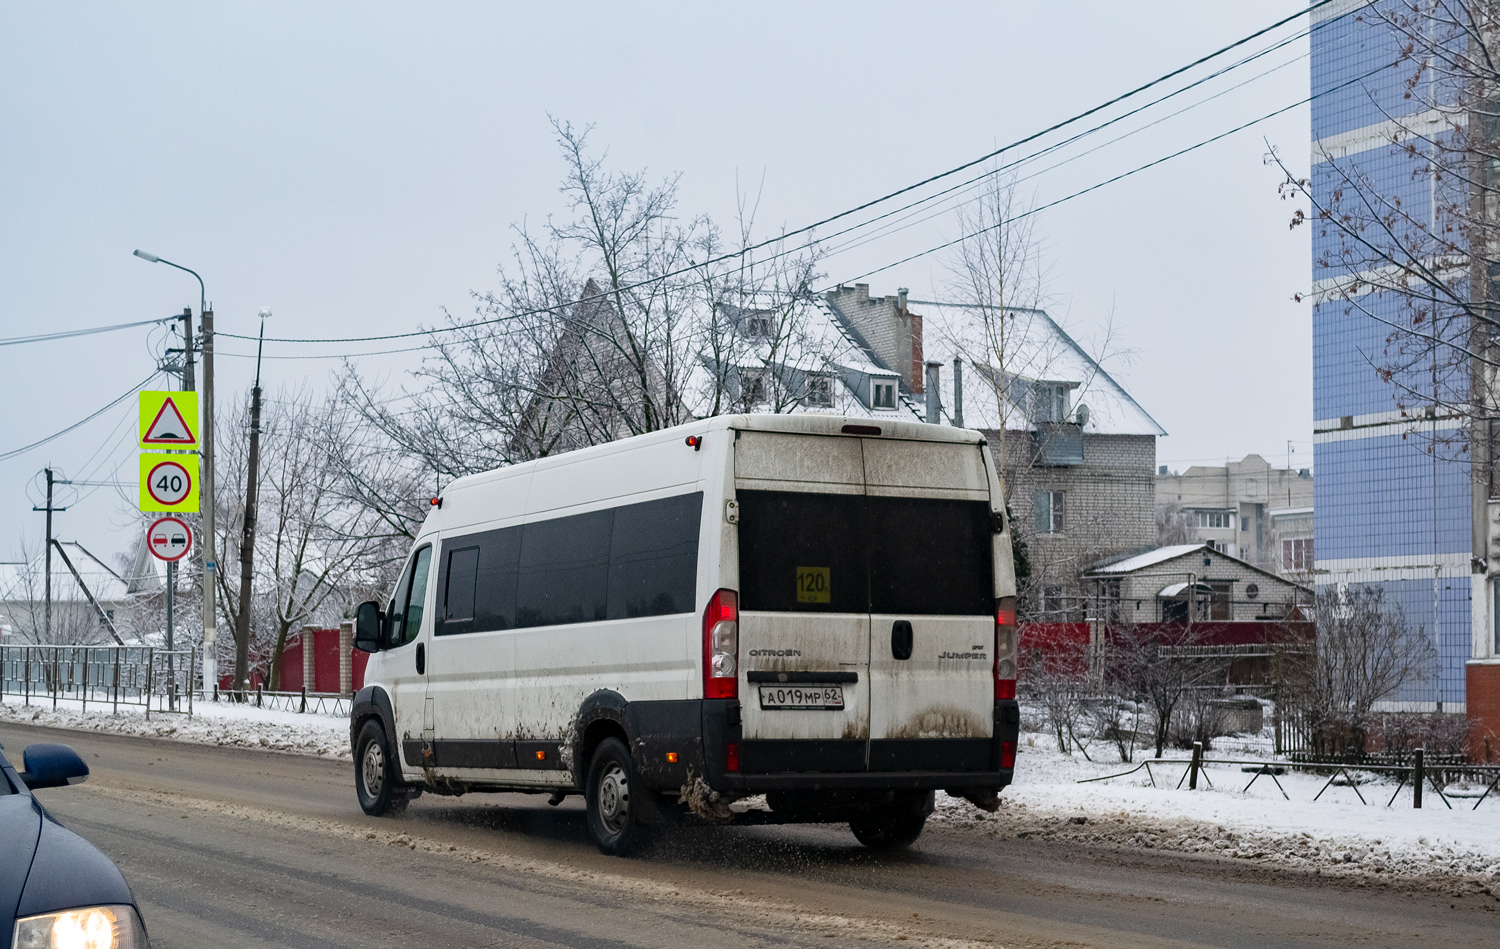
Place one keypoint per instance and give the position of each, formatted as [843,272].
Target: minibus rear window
[930,556]
[802,552]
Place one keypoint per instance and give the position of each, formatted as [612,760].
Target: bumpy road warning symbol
[169,483]
[169,419]
[169,538]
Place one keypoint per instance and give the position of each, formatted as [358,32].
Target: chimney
[901,296]
[934,394]
[958,392]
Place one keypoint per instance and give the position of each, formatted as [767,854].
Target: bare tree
[1161,669]
[614,319]
[1365,654]
[316,543]
[1174,525]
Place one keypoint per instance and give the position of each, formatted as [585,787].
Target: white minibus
[812,608]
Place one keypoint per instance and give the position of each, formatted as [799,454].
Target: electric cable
[745,251]
[5,456]
[1123,175]
[70,334]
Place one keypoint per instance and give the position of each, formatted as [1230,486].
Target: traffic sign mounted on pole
[169,539]
[169,420]
[169,483]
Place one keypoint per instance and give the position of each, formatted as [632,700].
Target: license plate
[829,697]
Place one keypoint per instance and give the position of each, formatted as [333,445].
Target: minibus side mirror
[367,624]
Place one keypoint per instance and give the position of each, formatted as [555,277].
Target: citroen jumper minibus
[812,608]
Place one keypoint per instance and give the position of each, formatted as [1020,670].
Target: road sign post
[170,539]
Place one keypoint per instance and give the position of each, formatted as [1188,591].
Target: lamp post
[210,566]
[247,536]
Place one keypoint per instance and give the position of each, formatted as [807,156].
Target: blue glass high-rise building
[1394,497]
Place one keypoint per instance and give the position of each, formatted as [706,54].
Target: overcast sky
[357,168]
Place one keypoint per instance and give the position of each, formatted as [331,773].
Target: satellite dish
[1082,415]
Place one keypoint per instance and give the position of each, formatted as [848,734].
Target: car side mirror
[368,622]
[52,766]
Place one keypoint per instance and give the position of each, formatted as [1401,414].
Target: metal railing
[158,680]
[1417,773]
[317,703]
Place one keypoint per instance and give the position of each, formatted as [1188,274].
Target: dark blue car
[57,891]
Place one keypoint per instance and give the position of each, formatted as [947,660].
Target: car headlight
[90,927]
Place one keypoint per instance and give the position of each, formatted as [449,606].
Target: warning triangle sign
[169,428]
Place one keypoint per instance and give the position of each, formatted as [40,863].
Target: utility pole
[47,622]
[47,581]
[210,567]
[247,533]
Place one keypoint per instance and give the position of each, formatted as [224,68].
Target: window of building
[1222,546]
[883,394]
[1049,402]
[1297,554]
[753,386]
[758,327]
[1049,508]
[1054,604]
[1218,519]
[819,390]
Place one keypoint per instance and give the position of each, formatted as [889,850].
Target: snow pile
[1456,851]
[212,723]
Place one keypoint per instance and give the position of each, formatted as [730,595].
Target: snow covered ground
[212,723]
[1457,850]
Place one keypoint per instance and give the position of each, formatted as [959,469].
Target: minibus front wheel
[376,777]
[613,818]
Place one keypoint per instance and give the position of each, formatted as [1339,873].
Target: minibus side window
[397,610]
[408,622]
[564,574]
[653,557]
[458,586]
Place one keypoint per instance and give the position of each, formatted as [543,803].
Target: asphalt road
[228,847]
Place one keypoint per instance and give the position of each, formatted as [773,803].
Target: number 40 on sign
[169,483]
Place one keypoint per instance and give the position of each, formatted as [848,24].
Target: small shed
[1191,583]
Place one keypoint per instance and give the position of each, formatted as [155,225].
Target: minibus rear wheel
[892,826]
[376,778]
[611,814]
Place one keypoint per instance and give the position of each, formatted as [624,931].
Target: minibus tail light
[1005,648]
[721,646]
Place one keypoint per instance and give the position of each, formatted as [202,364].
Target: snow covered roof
[1149,559]
[1036,350]
[820,345]
[25,582]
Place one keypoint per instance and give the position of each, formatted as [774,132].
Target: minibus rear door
[804,640]
[927,522]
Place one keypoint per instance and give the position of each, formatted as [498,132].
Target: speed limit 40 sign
[169,483]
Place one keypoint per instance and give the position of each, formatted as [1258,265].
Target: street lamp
[210,565]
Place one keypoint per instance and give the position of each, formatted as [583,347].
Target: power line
[69,334]
[1123,175]
[55,435]
[745,251]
